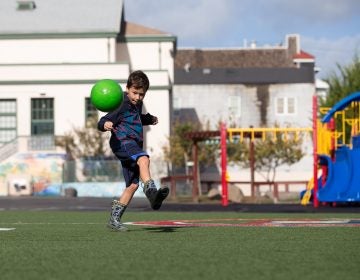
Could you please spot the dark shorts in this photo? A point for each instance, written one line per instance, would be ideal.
(128, 155)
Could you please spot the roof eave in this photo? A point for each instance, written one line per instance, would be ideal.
(148, 38)
(54, 35)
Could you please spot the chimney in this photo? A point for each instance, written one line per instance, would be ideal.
(293, 44)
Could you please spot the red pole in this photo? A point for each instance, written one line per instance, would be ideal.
(315, 155)
(332, 141)
(195, 190)
(224, 186)
(252, 167)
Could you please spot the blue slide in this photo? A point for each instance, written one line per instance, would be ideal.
(343, 179)
(353, 192)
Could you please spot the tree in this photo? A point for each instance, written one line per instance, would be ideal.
(84, 142)
(274, 152)
(88, 153)
(343, 83)
(238, 153)
(179, 149)
(270, 153)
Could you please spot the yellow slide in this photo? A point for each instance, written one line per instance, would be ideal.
(307, 195)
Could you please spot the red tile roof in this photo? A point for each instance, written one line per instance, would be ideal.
(303, 55)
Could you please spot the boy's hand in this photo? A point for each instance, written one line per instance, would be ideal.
(108, 126)
(154, 120)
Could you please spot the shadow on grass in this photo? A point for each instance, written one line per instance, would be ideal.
(162, 229)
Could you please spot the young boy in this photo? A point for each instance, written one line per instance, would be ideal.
(126, 126)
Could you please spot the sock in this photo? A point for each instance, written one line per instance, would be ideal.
(149, 184)
(123, 208)
(117, 210)
(149, 189)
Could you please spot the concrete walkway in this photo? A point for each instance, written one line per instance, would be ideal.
(141, 204)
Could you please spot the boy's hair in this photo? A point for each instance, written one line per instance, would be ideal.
(138, 79)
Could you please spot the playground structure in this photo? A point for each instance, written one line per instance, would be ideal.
(235, 134)
(336, 153)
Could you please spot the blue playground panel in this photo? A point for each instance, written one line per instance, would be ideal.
(343, 179)
(341, 105)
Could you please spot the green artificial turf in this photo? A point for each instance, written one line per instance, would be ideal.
(77, 245)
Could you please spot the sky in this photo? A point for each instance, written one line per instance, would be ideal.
(328, 29)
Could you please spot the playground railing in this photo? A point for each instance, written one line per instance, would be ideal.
(336, 133)
(264, 132)
(175, 179)
(277, 186)
(255, 187)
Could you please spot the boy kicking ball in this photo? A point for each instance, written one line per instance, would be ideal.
(126, 126)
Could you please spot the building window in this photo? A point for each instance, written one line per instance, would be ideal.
(91, 113)
(176, 102)
(285, 106)
(42, 116)
(234, 109)
(26, 5)
(8, 120)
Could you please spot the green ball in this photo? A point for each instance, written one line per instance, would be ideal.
(106, 95)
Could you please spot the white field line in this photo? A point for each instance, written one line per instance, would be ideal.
(47, 223)
(312, 222)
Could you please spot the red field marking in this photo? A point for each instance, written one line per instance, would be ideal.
(250, 223)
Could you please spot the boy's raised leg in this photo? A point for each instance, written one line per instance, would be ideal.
(155, 196)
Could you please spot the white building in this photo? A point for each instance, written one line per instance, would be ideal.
(51, 54)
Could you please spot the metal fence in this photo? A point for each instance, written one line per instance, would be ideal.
(27, 144)
(41, 143)
(92, 171)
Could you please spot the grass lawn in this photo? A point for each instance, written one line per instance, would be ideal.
(77, 245)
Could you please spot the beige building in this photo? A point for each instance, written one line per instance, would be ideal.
(257, 86)
(248, 87)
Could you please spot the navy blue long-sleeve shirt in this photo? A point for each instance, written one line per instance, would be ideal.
(127, 122)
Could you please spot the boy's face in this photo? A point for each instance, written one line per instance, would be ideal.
(136, 95)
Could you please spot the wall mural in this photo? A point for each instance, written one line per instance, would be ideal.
(28, 173)
(41, 174)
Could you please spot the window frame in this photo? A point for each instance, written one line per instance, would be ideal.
(90, 111)
(234, 111)
(44, 121)
(9, 114)
(285, 105)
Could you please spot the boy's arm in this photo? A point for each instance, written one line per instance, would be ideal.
(109, 117)
(147, 119)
